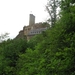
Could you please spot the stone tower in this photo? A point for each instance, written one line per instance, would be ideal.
(31, 19)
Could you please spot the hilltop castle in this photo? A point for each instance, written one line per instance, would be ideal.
(32, 29)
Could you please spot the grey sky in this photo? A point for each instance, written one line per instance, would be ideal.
(14, 14)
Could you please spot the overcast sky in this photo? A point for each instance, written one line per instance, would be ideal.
(14, 14)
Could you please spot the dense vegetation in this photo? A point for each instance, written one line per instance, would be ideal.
(49, 53)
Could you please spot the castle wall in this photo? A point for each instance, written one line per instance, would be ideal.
(33, 28)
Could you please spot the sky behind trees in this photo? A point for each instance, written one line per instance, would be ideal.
(14, 14)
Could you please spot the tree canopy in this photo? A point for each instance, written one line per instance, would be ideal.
(49, 53)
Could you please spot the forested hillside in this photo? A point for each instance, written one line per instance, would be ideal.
(49, 53)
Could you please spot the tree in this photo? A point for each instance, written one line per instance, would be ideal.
(3, 37)
(9, 54)
(52, 10)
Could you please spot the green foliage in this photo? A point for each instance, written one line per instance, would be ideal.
(50, 53)
(3, 37)
(10, 51)
(52, 7)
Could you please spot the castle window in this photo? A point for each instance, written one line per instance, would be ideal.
(29, 28)
(39, 31)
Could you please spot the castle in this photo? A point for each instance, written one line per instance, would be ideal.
(32, 29)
